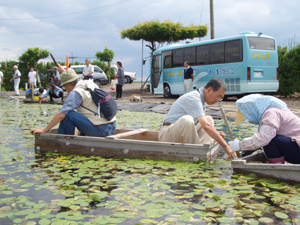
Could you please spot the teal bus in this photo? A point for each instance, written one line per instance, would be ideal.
(248, 63)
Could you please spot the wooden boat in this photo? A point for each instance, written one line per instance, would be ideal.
(140, 143)
(257, 163)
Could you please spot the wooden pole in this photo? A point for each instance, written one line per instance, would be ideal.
(229, 130)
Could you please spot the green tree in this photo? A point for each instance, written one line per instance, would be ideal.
(106, 56)
(289, 69)
(7, 70)
(30, 58)
(160, 32)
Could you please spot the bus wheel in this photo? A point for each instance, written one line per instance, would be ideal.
(167, 91)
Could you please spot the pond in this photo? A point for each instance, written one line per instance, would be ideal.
(73, 189)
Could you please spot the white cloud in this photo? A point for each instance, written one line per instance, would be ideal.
(83, 34)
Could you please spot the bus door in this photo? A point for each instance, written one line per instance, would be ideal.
(156, 75)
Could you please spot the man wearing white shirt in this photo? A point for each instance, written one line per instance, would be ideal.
(1, 79)
(32, 79)
(88, 70)
(16, 79)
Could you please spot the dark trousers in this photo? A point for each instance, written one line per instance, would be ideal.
(61, 95)
(283, 146)
(88, 77)
(119, 90)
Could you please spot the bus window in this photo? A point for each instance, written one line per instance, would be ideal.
(233, 51)
(190, 55)
(217, 53)
(261, 43)
(177, 57)
(202, 55)
(167, 59)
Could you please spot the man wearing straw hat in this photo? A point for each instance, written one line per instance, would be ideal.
(186, 121)
(83, 118)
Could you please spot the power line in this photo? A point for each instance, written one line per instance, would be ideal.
(67, 14)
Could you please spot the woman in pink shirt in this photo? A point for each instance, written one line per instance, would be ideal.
(279, 129)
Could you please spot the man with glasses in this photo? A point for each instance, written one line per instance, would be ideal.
(186, 121)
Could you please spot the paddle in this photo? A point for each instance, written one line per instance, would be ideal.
(229, 130)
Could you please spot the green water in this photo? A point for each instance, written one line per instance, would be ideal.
(64, 189)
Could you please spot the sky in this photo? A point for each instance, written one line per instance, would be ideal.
(81, 28)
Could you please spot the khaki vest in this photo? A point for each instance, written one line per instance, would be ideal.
(88, 102)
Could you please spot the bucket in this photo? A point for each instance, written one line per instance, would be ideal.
(36, 98)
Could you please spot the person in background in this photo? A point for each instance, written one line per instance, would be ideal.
(53, 92)
(32, 79)
(51, 74)
(188, 77)
(83, 119)
(121, 81)
(42, 93)
(186, 121)
(279, 129)
(37, 91)
(16, 79)
(88, 70)
(1, 79)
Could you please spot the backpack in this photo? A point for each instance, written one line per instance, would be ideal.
(107, 107)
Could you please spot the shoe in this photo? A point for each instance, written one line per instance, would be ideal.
(16, 95)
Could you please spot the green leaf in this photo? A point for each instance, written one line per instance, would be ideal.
(281, 215)
(44, 222)
(266, 220)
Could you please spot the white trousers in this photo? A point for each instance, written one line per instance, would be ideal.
(185, 131)
(16, 86)
(187, 85)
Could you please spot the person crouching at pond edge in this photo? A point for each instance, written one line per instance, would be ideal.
(186, 121)
(279, 129)
(54, 92)
(80, 99)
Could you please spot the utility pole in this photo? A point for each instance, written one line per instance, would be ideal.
(212, 26)
(142, 65)
(72, 57)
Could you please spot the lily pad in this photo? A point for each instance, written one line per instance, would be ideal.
(266, 220)
(281, 215)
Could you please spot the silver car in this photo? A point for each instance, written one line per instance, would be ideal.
(99, 75)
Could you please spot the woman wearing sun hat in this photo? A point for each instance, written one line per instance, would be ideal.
(279, 129)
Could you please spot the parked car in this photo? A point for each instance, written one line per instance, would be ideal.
(99, 75)
(129, 76)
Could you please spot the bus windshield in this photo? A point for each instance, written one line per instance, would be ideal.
(261, 43)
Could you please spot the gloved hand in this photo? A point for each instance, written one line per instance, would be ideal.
(234, 145)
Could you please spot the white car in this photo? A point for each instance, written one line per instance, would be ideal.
(129, 76)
